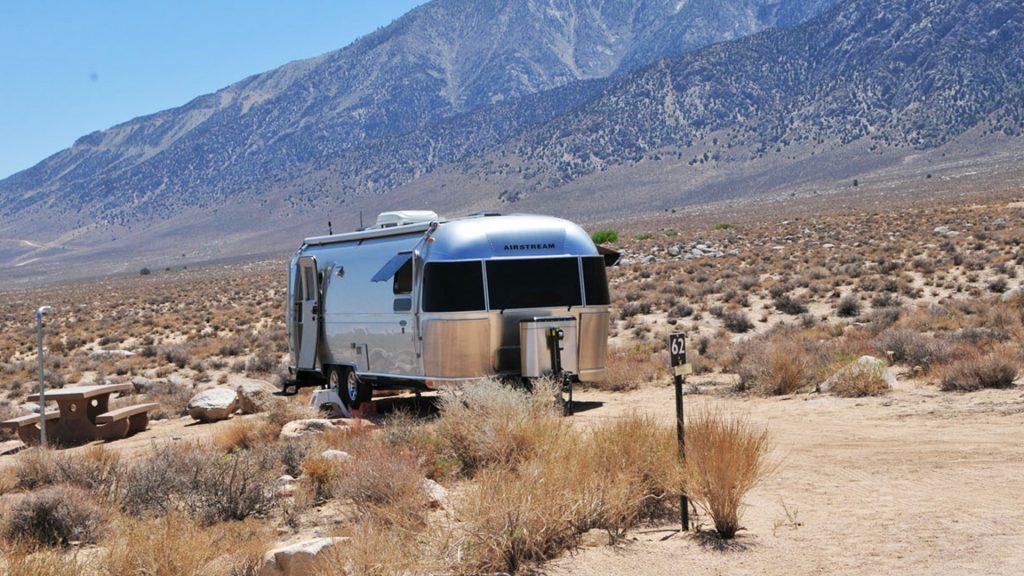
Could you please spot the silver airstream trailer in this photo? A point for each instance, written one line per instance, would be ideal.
(417, 300)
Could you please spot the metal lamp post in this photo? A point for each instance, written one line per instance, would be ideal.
(42, 380)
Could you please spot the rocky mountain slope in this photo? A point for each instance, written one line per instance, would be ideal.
(403, 91)
(892, 78)
(585, 109)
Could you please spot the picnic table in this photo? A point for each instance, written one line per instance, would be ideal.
(83, 416)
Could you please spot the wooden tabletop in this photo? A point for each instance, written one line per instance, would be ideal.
(81, 392)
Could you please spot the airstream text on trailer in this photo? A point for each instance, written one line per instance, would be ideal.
(416, 300)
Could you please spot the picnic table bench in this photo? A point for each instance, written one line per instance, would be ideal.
(83, 416)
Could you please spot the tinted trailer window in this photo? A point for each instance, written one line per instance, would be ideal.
(453, 286)
(595, 281)
(533, 283)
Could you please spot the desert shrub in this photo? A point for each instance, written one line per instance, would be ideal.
(263, 362)
(629, 368)
(176, 355)
(790, 305)
(36, 467)
(485, 422)
(905, 346)
(994, 370)
(55, 516)
(96, 468)
(726, 456)
(681, 310)
(737, 321)
(849, 306)
(775, 367)
(630, 309)
(208, 485)
(605, 236)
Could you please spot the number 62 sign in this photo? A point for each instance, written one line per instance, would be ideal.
(677, 353)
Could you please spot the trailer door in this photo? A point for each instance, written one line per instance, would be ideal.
(307, 313)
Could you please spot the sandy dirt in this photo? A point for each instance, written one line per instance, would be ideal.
(915, 482)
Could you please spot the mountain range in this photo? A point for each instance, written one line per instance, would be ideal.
(583, 108)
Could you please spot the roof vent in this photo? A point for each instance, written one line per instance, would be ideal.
(403, 217)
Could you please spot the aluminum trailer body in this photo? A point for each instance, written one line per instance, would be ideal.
(417, 301)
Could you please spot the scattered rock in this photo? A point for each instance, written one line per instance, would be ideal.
(285, 486)
(213, 404)
(11, 447)
(437, 494)
(28, 408)
(308, 427)
(864, 364)
(1012, 293)
(95, 354)
(144, 385)
(255, 396)
(297, 559)
(336, 454)
(594, 538)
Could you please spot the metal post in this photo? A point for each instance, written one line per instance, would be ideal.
(42, 374)
(684, 508)
(677, 356)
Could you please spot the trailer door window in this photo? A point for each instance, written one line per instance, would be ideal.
(453, 287)
(595, 281)
(533, 283)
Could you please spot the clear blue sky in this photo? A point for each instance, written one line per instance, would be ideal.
(69, 68)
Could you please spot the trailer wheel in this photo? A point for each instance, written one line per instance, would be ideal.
(355, 390)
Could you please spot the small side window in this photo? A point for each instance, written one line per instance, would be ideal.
(403, 279)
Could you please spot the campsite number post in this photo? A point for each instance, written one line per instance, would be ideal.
(677, 353)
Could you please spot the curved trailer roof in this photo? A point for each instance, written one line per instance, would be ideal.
(484, 237)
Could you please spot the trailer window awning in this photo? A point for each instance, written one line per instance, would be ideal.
(611, 257)
(393, 265)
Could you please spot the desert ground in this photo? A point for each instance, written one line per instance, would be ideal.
(912, 466)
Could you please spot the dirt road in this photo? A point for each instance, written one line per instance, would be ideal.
(916, 482)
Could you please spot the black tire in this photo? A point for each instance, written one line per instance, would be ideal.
(355, 390)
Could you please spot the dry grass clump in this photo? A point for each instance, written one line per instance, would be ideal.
(611, 480)
(246, 435)
(22, 558)
(383, 482)
(726, 456)
(857, 379)
(997, 369)
(55, 516)
(174, 545)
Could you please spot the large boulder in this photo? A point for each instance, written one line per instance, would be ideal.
(255, 395)
(298, 559)
(213, 404)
